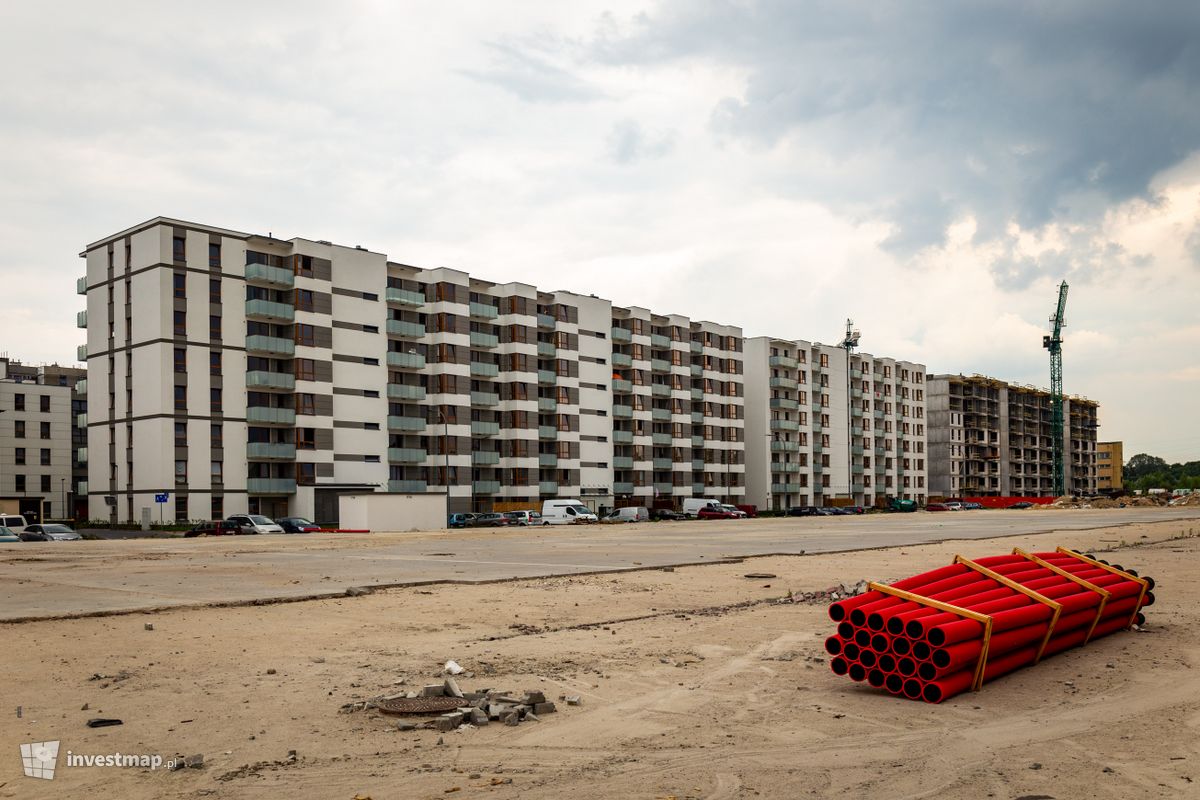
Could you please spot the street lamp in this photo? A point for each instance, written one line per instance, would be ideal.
(848, 344)
(63, 485)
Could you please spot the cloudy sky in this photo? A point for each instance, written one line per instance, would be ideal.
(932, 170)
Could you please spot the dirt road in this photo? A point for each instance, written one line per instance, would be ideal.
(696, 682)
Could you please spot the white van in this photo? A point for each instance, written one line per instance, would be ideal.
(566, 512)
(629, 514)
(14, 522)
(691, 505)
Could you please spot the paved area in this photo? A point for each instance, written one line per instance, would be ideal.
(43, 580)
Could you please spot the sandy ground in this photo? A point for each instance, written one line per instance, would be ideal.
(696, 683)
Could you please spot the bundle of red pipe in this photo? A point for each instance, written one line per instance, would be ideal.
(902, 643)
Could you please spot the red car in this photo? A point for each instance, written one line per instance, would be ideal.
(708, 512)
(937, 507)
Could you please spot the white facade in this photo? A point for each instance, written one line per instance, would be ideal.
(36, 454)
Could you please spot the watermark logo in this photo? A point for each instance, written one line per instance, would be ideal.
(39, 759)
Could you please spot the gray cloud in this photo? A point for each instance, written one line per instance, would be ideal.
(532, 77)
(629, 142)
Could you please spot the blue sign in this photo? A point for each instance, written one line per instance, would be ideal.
(161, 498)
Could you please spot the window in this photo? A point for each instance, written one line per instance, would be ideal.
(180, 323)
(181, 398)
(217, 433)
(18, 402)
(218, 507)
(306, 439)
(45, 430)
(19, 455)
(305, 335)
(20, 483)
(214, 327)
(179, 286)
(305, 403)
(214, 290)
(45, 483)
(45, 403)
(214, 400)
(181, 434)
(179, 248)
(180, 359)
(304, 300)
(19, 429)
(181, 471)
(306, 369)
(214, 362)
(214, 255)
(303, 266)
(306, 474)
(45, 456)
(218, 471)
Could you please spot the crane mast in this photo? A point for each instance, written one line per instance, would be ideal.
(1053, 343)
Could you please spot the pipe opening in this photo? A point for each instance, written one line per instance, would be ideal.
(932, 693)
(926, 671)
(850, 651)
(857, 672)
(875, 621)
(893, 683)
(867, 658)
(880, 643)
(921, 650)
(912, 689)
(833, 645)
(838, 665)
(901, 646)
(845, 630)
(862, 637)
(875, 678)
(906, 666)
(941, 658)
(936, 637)
(887, 663)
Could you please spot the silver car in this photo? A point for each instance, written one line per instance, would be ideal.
(255, 523)
(48, 533)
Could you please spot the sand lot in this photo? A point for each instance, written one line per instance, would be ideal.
(696, 683)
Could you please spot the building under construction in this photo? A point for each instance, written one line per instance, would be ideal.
(991, 438)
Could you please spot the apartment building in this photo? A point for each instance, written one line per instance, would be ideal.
(991, 438)
(237, 372)
(1110, 464)
(42, 428)
(827, 427)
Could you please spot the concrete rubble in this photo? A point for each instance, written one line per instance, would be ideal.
(478, 708)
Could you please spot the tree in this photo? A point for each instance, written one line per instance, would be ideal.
(1142, 465)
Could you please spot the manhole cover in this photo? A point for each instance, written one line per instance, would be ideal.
(420, 705)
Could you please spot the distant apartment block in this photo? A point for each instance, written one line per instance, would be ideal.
(43, 452)
(1110, 461)
(991, 438)
(827, 428)
(240, 372)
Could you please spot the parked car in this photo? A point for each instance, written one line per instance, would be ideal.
(749, 510)
(489, 521)
(628, 514)
(713, 512)
(8, 535)
(523, 517)
(255, 523)
(48, 533)
(566, 512)
(298, 525)
(463, 520)
(665, 514)
(804, 511)
(836, 511)
(1022, 504)
(217, 527)
(734, 511)
(692, 505)
(937, 507)
(854, 509)
(14, 522)
(953, 505)
(972, 506)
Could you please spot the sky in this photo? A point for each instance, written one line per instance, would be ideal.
(931, 170)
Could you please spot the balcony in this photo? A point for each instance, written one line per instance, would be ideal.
(81, 455)
(269, 310)
(484, 341)
(622, 462)
(784, 466)
(622, 336)
(660, 390)
(406, 455)
(405, 360)
(660, 414)
(547, 377)
(663, 464)
(82, 489)
(404, 297)
(261, 379)
(481, 428)
(547, 432)
(660, 342)
(784, 447)
(783, 383)
(818, 468)
(622, 487)
(482, 369)
(699, 490)
(546, 350)
(697, 417)
(403, 329)
(697, 441)
(270, 451)
(697, 394)
(696, 347)
(547, 487)
(270, 345)
(270, 486)
(270, 415)
(406, 424)
(486, 399)
(697, 465)
(785, 403)
(817, 447)
(856, 469)
(81, 420)
(404, 391)
(664, 487)
(407, 487)
(622, 412)
(622, 360)
(485, 458)
(547, 405)
(81, 285)
(695, 370)
(485, 487)
(620, 386)
(661, 439)
(622, 437)
(855, 411)
(545, 322)
(856, 450)
(660, 365)
(274, 276)
(483, 311)
(785, 425)
(81, 353)
(785, 488)
(547, 460)
(81, 319)
(786, 362)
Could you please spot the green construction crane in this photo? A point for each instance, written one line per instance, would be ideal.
(1053, 343)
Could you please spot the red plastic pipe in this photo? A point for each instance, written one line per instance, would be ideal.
(839, 610)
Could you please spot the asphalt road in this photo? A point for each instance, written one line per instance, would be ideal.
(43, 580)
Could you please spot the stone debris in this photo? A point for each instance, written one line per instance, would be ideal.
(832, 594)
(479, 707)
